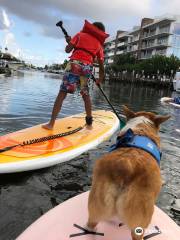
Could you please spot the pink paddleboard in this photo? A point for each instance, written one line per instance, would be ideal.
(67, 222)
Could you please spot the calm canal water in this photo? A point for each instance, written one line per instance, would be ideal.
(26, 100)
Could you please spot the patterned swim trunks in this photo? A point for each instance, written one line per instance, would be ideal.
(76, 76)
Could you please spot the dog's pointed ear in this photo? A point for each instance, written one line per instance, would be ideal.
(128, 113)
(160, 119)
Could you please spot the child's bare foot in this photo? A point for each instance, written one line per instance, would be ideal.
(47, 126)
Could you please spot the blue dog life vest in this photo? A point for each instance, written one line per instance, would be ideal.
(129, 139)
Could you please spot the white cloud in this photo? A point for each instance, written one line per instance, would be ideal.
(24, 54)
(105, 10)
(172, 7)
(114, 13)
(4, 20)
(10, 42)
(47, 12)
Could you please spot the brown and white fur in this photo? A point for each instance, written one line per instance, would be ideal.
(126, 182)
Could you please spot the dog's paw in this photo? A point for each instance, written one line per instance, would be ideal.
(89, 228)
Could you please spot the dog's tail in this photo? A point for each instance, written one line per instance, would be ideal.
(113, 167)
(120, 166)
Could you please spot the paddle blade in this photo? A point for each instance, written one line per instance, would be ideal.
(122, 124)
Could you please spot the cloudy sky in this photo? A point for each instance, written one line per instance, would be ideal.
(27, 27)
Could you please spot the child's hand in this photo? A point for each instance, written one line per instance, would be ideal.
(98, 82)
(68, 39)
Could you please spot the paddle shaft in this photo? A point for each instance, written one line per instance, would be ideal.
(103, 93)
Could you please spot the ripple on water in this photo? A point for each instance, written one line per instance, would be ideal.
(28, 100)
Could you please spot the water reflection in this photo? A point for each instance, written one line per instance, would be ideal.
(27, 99)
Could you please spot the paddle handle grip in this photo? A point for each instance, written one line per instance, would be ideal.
(60, 24)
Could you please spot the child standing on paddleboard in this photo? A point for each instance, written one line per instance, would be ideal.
(87, 46)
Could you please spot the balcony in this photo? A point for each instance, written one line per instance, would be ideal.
(120, 44)
(164, 43)
(110, 61)
(134, 48)
(134, 39)
(120, 52)
(149, 35)
(161, 52)
(163, 31)
(146, 56)
(144, 46)
(112, 46)
(155, 45)
(110, 54)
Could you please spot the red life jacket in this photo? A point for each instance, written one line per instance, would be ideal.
(88, 44)
(95, 32)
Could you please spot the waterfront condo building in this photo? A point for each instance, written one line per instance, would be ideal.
(154, 36)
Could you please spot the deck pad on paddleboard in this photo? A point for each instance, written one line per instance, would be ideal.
(50, 152)
(68, 220)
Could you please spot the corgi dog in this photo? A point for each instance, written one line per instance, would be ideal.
(127, 181)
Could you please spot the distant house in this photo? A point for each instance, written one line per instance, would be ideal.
(8, 57)
(9, 61)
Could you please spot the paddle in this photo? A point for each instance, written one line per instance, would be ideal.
(42, 139)
(122, 122)
(60, 24)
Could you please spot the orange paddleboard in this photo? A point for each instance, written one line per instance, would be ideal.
(51, 152)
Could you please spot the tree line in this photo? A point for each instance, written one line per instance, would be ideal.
(156, 65)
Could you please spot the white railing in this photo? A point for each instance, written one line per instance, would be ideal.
(148, 45)
(135, 39)
(149, 35)
(112, 46)
(121, 44)
(110, 54)
(146, 56)
(164, 30)
(110, 60)
(119, 52)
(162, 43)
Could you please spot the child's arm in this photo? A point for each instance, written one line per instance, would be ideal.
(101, 71)
(71, 43)
(100, 58)
(69, 48)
